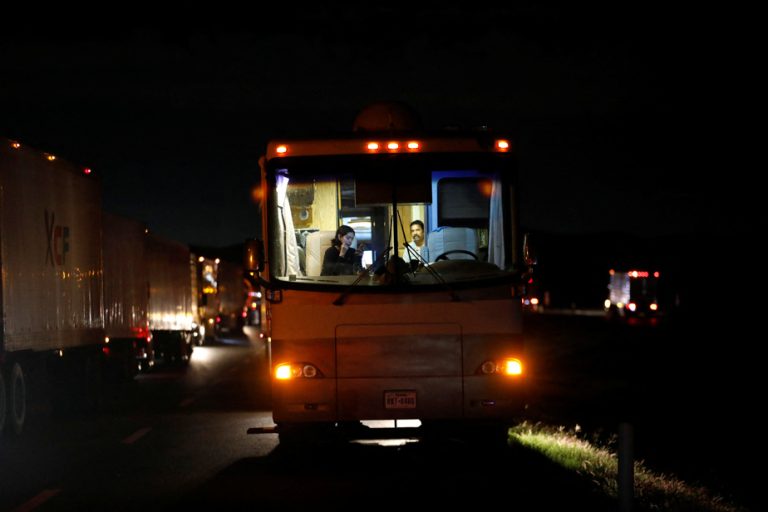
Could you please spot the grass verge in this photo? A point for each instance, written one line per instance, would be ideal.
(599, 464)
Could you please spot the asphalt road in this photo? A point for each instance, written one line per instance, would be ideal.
(176, 438)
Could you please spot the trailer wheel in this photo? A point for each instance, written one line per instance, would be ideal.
(18, 402)
(3, 403)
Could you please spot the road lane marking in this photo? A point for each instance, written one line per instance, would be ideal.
(37, 500)
(136, 435)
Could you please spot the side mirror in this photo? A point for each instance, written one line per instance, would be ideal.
(529, 258)
(254, 255)
(529, 251)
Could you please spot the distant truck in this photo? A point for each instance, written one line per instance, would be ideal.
(150, 294)
(173, 315)
(222, 297)
(52, 335)
(232, 296)
(632, 295)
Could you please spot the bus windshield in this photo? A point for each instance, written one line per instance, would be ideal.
(420, 221)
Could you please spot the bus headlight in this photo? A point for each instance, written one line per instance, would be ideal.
(510, 366)
(286, 371)
(488, 367)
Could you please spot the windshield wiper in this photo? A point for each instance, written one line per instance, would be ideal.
(343, 295)
(397, 276)
(434, 273)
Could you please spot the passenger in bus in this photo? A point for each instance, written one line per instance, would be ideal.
(340, 258)
(416, 251)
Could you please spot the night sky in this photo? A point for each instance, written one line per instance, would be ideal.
(607, 107)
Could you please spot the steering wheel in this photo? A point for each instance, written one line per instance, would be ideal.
(444, 256)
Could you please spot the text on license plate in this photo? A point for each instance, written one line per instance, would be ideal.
(399, 399)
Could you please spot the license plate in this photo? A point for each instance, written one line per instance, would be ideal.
(399, 399)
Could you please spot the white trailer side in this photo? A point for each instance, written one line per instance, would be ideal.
(50, 256)
(126, 291)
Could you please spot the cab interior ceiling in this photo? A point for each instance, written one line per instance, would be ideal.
(394, 167)
(407, 182)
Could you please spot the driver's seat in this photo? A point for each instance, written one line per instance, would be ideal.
(447, 238)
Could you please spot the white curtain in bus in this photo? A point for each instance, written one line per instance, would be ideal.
(496, 227)
(286, 232)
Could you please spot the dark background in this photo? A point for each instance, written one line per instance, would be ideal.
(636, 128)
(622, 116)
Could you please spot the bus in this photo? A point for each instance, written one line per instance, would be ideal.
(429, 347)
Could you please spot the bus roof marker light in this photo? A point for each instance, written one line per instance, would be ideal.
(393, 146)
(372, 146)
(502, 145)
(413, 145)
(281, 149)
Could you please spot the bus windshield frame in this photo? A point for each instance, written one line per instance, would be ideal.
(466, 200)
